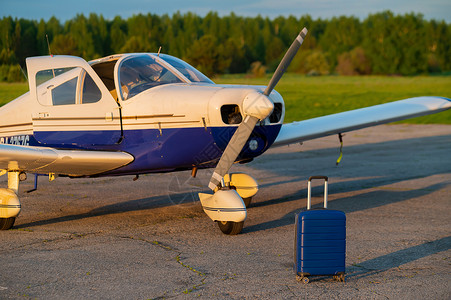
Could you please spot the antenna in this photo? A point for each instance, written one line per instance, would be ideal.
(23, 72)
(158, 54)
(48, 45)
(50, 52)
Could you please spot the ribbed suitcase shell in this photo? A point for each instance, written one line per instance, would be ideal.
(320, 242)
(320, 245)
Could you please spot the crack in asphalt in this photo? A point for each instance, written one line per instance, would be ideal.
(290, 290)
(68, 236)
(178, 260)
(379, 294)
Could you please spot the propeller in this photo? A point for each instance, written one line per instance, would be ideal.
(256, 106)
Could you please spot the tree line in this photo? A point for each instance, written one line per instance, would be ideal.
(383, 43)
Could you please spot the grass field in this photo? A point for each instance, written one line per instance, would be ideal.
(307, 97)
(10, 91)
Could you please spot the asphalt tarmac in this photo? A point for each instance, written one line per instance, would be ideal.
(115, 238)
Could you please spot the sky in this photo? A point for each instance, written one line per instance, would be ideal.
(325, 9)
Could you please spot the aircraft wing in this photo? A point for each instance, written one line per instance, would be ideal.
(360, 118)
(65, 162)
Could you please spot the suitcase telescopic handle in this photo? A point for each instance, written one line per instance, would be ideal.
(309, 190)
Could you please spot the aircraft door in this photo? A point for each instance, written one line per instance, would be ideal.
(70, 104)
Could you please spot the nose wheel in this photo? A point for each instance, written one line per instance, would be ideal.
(230, 228)
(247, 201)
(6, 223)
(9, 202)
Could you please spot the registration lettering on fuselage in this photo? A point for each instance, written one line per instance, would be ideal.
(21, 140)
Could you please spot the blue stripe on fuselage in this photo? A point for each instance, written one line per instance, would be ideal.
(177, 148)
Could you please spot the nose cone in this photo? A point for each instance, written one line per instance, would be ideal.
(257, 105)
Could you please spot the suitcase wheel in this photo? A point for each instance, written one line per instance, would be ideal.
(340, 277)
(302, 279)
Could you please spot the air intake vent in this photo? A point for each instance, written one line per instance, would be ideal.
(276, 113)
(230, 114)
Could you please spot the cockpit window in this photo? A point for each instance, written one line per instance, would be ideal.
(139, 73)
(187, 70)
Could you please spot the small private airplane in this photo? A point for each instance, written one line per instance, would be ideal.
(131, 114)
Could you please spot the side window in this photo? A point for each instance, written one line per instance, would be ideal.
(66, 86)
(91, 92)
(57, 86)
(65, 93)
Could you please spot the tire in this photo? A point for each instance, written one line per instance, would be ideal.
(247, 201)
(231, 228)
(6, 223)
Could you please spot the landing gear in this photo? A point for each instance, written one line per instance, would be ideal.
(245, 185)
(227, 206)
(6, 223)
(230, 228)
(9, 202)
(247, 201)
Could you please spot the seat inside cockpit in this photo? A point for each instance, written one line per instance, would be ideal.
(105, 70)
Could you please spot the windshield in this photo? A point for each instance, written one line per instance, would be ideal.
(141, 72)
(187, 70)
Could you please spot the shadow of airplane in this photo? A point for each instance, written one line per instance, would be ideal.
(416, 166)
(183, 194)
(414, 150)
(117, 208)
(348, 204)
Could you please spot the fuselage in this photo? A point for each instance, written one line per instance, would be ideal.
(156, 108)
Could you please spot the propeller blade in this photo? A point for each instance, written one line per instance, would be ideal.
(256, 106)
(232, 150)
(285, 62)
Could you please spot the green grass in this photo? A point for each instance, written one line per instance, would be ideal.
(308, 97)
(10, 91)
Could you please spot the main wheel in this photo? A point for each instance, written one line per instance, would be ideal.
(6, 223)
(247, 201)
(230, 228)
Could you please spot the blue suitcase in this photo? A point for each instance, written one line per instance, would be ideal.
(320, 242)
